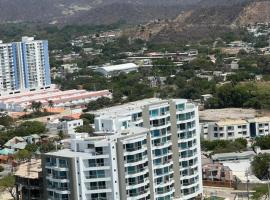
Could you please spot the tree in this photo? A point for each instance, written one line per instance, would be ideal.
(89, 117)
(260, 165)
(30, 128)
(32, 148)
(36, 106)
(47, 147)
(8, 184)
(23, 155)
(6, 120)
(263, 142)
(86, 128)
(61, 135)
(50, 104)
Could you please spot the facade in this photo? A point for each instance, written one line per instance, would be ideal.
(217, 172)
(231, 129)
(24, 66)
(148, 149)
(21, 101)
(114, 70)
(28, 181)
(68, 126)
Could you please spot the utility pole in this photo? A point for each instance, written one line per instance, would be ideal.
(247, 173)
(268, 182)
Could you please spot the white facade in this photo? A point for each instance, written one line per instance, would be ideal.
(152, 149)
(113, 70)
(175, 142)
(24, 66)
(229, 129)
(67, 126)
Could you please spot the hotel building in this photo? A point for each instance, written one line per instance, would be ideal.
(149, 149)
(24, 66)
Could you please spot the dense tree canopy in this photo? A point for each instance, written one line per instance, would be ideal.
(260, 166)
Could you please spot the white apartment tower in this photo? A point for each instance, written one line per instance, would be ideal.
(24, 66)
(153, 151)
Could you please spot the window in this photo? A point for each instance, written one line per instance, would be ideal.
(153, 113)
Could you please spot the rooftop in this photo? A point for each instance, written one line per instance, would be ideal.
(55, 95)
(30, 169)
(233, 155)
(260, 119)
(227, 113)
(111, 68)
(126, 108)
(131, 107)
(231, 122)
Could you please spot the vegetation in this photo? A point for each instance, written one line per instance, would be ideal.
(247, 95)
(6, 120)
(224, 146)
(24, 129)
(1, 168)
(261, 192)
(8, 184)
(88, 118)
(23, 155)
(86, 128)
(263, 142)
(260, 166)
(32, 148)
(47, 147)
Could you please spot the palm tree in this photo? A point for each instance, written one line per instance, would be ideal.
(39, 106)
(33, 106)
(50, 104)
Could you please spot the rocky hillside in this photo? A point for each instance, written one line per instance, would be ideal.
(256, 12)
(89, 11)
(208, 19)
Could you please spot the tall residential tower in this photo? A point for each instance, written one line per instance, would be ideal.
(24, 66)
(148, 149)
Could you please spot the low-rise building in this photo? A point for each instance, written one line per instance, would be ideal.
(28, 181)
(21, 101)
(114, 70)
(217, 172)
(245, 155)
(228, 129)
(231, 129)
(67, 126)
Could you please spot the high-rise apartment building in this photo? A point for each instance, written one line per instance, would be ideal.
(148, 149)
(24, 66)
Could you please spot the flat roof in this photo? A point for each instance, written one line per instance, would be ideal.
(136, 106)
(228, 122)
(259, 119)
(55, 95)
(125, 66)
(215, 115)
(126, 108)
(30, 169)
(233, 155)
(239, 169)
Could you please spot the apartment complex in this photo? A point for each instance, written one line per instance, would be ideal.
(148, 149)
(24, 66)
(230, 129)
